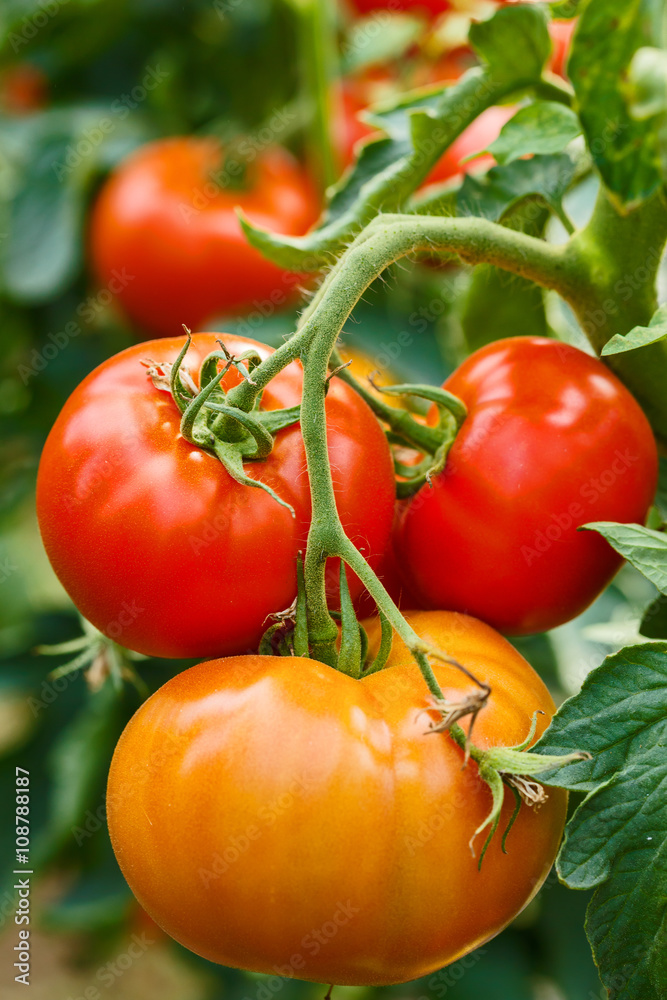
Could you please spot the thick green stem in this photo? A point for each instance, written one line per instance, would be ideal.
(387, 239)
(616, 259)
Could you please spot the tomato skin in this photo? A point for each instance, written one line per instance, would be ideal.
(258, 802)
(429, 8)
(484, 130)
(561, 37)
(153, 540)
(169, 229)
(552, 441)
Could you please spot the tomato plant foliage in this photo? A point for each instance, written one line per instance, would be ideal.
(616, 841)
(602, 132)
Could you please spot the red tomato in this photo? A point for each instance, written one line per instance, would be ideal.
(23, 88)
(153, 540)
(166, 223)
(552, 441)
(275, 815)
(429, 8)
(479, 135)
(561, 36)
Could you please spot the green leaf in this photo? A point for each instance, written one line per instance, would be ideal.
(79, 761)
(418, 127)
(644, 548)
(543, 127)
(647, 84)
(545, 178)
(378, 39)
(43, 249)
(640, 336)
(565, 10)
(513, 37)
(654, 622)
(661, 495)
(625, 151)
(616, 841)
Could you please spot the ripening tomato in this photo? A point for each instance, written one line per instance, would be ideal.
(24, 88)
(552, 441)
(154, 541)
(275, 815)
(166, 222)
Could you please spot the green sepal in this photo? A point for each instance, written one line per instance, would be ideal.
(386, 638)
(510, 761)
(266, 647)
(232, 460)
(276, 420)
(209, 365)
(349, 655)
(423, 473)
(300, 639)
(261, 438)
(513, 817)
(434, 394)
(194, 409)
(495, 783)
(178, 389)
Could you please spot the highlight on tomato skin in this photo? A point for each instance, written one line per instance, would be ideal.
(496, 535)
(274, 814)
(155, 542)
(166, 219)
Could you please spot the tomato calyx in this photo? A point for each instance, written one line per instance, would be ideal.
(404, 431)
(100, 659)
(208, 421)
(512, 767)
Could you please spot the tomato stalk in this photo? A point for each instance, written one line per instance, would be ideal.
(616, 259)
(318, 56)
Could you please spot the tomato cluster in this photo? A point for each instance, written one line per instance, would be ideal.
(271, 812)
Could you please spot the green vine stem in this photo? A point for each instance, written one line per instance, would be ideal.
(318, 57)
(616, 260)
(595, 271)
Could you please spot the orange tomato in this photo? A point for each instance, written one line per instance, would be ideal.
(275, 815)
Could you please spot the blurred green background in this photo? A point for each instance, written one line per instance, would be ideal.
(223, 67)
